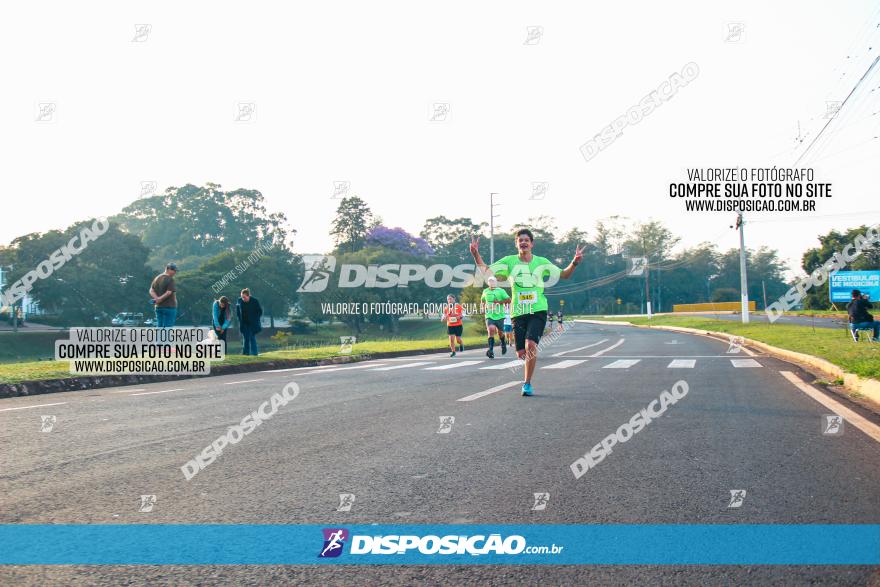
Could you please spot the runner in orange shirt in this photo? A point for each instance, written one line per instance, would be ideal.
(453, 314)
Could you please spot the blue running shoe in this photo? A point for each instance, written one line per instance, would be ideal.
(527, 389)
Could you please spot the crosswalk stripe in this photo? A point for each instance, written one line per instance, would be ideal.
(335, 369)
(745, 363)
(404, 366)
(565, 364)
(506, 365)
(453, 365)
(492, 390)
(580, 348)
(621, 364)
(682, 364)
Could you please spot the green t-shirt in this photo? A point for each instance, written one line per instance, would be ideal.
(527, 281)
(493, 299)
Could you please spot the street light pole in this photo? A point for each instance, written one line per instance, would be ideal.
(743, 279)
(492, 205)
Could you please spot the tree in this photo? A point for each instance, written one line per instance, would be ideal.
(191, 224)
(450, 237)
(398, 239)
(272, 275)
(109, 275)
(351, 224)
(833, 242)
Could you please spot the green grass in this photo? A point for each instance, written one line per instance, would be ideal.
(38, 370)
(832, 344)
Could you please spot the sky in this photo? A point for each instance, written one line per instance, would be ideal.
(346, 91)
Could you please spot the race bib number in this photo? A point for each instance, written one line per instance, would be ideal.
(527, 297)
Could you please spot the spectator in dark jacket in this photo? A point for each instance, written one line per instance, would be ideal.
(860, 318)
(249, 314)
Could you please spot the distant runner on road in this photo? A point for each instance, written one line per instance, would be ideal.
(495, 300)
(453, 314)
(559, 320)
(526, 271)
(508, 326)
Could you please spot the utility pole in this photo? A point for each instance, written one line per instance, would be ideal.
(743, 280)
(764, 288)
(647, 273)
(492, 217)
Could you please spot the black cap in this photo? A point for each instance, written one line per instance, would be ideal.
(171, 266)
(856, 293)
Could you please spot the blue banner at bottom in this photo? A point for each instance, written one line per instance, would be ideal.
(181, 544)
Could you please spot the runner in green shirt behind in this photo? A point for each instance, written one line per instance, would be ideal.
(526, 272)
(494, 300)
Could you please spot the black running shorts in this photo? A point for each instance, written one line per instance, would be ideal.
(529, 326)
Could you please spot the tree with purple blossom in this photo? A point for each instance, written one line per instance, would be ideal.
(399, 240)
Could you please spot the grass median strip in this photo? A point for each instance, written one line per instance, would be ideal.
(43, 370)
(832, 344)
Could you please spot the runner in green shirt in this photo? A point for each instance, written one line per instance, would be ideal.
(494, 301)
(527, 273)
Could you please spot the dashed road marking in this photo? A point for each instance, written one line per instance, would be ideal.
(245, 381)
(580, 348)
(489, 391)
(29, 407)
(155, 392)
(611, 348)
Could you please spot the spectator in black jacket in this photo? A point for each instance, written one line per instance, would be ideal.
(249, 314)
(860, 318)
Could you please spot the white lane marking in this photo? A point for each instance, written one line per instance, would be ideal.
(406, 366)
(835, 406)
(564, 364)
(580, 348)
(611, 348)
(129, 390)
(29, 407)
(682, 364)
(154, 392)
(489, 391)
(245, 381)
(661, 356)
(745, 363)
(506, 365)
(370, 366)
(453, 365)
(621, 364)
(298, 369)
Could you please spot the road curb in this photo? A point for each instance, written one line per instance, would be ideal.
(43, 386)
(870, 388)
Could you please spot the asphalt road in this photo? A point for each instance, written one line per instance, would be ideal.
(371, 429)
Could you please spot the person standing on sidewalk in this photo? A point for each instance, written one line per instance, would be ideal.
(163, 290)
(249, 314)
(221, 316)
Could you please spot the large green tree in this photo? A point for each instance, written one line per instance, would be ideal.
(109, 275)
(191, 224)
